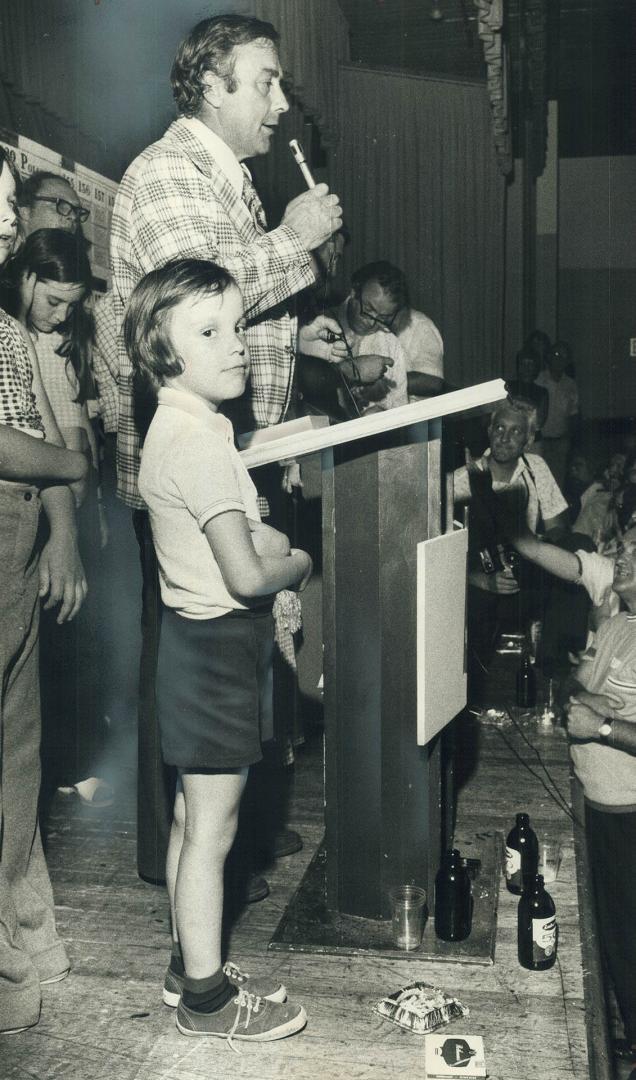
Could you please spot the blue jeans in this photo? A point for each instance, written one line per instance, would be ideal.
(30, 949)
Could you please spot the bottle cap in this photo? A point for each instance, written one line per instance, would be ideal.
(523, 819)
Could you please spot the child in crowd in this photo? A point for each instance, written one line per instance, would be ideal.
(219, 569)
(51, 281)
(34, 471)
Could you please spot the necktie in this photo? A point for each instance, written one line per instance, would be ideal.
(254, 204)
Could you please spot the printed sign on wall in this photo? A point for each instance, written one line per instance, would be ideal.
(96, 193)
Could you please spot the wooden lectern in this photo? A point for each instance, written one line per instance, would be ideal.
(381, 497)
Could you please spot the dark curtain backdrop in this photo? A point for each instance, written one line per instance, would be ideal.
(417, 174)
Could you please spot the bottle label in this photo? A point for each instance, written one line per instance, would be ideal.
(513, 867)
(544, 936)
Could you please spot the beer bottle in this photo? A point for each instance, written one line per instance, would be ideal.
(526, 683)
(453, 899)
(537, 931)
(522, 855)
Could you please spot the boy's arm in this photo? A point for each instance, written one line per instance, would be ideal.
(245, 573)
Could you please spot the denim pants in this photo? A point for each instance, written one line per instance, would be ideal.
(30, 949)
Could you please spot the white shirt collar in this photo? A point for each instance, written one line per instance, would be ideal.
(225, 158)
(194, 406)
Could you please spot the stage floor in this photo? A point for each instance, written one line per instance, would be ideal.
(107, 1021)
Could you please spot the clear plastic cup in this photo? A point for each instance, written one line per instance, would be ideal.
(549, 858)
(408, 903)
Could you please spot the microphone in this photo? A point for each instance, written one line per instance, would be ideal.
(299, 158)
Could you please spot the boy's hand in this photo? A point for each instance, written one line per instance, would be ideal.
(62, 578)
(305, 560)
(268, 542)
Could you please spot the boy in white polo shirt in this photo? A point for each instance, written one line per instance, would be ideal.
(219, 570)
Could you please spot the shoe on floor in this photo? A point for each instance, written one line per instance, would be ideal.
(257, 889)
(286, 842)
(268, 988)
(245, 1017)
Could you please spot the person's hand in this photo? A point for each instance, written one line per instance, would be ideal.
(372, 367)
(268, 542)
(313, 216)
(307, 566)
(323, 338)
(62, 578)
(503, 583)
(291, 478)
(602, 705)
(375, 392)
(27, 289)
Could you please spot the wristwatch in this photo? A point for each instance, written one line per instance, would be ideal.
(605, 731)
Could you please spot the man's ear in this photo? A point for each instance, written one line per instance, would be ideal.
(213, 85)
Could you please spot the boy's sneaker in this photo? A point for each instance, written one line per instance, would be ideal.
(245, 1017)
(267, 988)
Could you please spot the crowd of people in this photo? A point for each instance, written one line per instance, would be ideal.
(214, 325)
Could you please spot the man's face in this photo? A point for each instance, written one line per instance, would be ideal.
(372, 308)
(247, 119)
(508, 434)
(625, 566)
(56, 206)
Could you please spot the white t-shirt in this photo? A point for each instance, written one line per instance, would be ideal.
(533, 475)
(191, 472)
(379, 343)
(564, 403)
(422, 346)
(608, 667)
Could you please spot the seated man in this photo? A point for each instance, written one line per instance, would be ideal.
(360, 355)
(494, 590)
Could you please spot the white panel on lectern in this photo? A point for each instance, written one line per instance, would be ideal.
(441, 620)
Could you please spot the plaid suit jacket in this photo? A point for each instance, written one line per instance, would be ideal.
(174, 202)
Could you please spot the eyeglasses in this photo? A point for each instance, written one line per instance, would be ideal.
(385, 321)
(64, 208)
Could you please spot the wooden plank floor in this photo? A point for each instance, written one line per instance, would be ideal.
(107, 1021)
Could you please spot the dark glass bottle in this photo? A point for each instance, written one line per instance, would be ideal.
(526, 683)
(522, 855)
(453, 899)
(537, 931)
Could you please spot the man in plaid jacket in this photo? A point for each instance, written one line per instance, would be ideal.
(190, 195)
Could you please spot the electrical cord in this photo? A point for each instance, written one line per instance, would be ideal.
(563, 806)
(535, 751)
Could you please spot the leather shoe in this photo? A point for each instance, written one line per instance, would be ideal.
(286, 842)
(257, 889)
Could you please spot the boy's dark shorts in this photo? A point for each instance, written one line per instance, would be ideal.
(214, 688)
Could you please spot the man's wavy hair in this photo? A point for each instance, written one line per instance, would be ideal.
(210, 47)
(146, 336)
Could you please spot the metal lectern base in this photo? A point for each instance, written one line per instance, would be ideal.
(307, 925)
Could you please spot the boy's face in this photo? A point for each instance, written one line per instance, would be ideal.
(208, 333)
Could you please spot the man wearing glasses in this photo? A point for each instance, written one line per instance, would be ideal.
(48, 201)
(367, 318)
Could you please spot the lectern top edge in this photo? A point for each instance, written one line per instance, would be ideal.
(310, 442)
